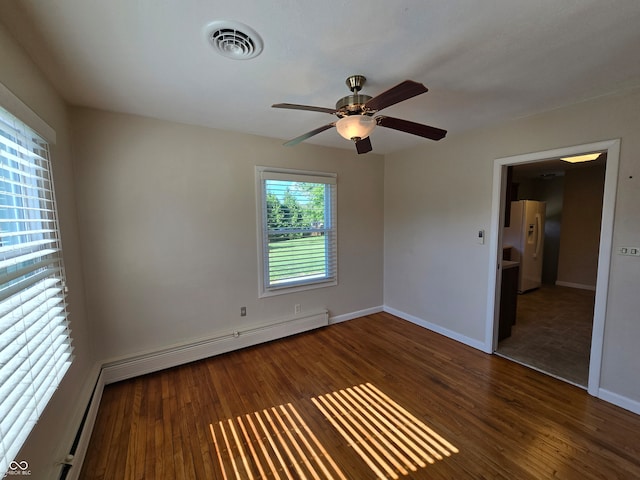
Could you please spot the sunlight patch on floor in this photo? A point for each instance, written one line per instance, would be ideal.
(277, 443)
(390, 440)
(274, 443)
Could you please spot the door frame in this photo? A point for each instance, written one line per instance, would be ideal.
(612, 148)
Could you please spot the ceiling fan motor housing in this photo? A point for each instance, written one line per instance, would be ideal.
(352, 104)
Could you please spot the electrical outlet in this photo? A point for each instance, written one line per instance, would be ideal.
(243, 311)
(297, 308)
(629, 251)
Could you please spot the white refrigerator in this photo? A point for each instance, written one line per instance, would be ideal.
(525, 236)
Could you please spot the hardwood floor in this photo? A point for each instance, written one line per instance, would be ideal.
(381, 381)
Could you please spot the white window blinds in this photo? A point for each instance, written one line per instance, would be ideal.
(298, 230)
(35, 342)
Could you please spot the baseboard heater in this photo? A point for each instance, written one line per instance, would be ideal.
(179, 354)
(208, 347)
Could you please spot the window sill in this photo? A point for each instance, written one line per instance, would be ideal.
(272, 292)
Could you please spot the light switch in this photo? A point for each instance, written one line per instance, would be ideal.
(480, 237)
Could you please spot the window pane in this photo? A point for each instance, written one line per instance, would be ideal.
(35, 345)
(298, 230)
(296, 259)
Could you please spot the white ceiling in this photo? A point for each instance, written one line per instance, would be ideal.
(483, 61)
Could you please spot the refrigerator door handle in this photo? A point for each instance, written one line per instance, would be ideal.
(538, 235)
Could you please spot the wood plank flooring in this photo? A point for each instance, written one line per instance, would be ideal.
(258, 413)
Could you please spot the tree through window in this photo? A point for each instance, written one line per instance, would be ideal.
(298, 229)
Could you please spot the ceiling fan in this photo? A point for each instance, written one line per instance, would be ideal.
(355, 114)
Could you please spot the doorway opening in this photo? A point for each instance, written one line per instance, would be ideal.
(550, 255)
(501, 263)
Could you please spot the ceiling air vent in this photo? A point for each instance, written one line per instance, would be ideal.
(234, 40)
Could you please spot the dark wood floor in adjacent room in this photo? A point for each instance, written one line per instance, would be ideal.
(345, 402)
(553, 332)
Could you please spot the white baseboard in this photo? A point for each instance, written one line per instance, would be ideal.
(87, 429)
(606, 395)
(477, 344)
(177, 355)
(153, 361)
(581, 286)
(353, 315)
(619, 400)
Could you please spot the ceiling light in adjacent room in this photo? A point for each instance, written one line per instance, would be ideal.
(581, 158)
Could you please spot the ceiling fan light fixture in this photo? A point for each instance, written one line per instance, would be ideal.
(355, 127)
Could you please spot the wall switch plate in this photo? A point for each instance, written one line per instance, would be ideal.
(243, 311)
(480, 239)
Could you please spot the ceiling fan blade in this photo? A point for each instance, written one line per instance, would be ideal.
(364, 145)
(310, 134)
(399, 93)
(413, 128)
(293, 106)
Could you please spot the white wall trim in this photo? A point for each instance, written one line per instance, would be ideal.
(148, 362)
(612, 147)
(477, 344)
(604, 263)
(152, 361)
(619, 400)
(581, 286)
(10, 102)
(353, 315)
(87, 428)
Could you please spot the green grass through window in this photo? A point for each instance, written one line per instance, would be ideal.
(300, 257)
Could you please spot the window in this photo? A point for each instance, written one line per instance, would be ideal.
(35, 343)
(297, 229)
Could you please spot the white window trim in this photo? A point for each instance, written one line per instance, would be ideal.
(276, 173)
(10, 102)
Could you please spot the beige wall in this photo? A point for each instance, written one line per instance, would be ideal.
(438, 196)
(580, 232)
(53, 436)
(168, 225)
(166, 214)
